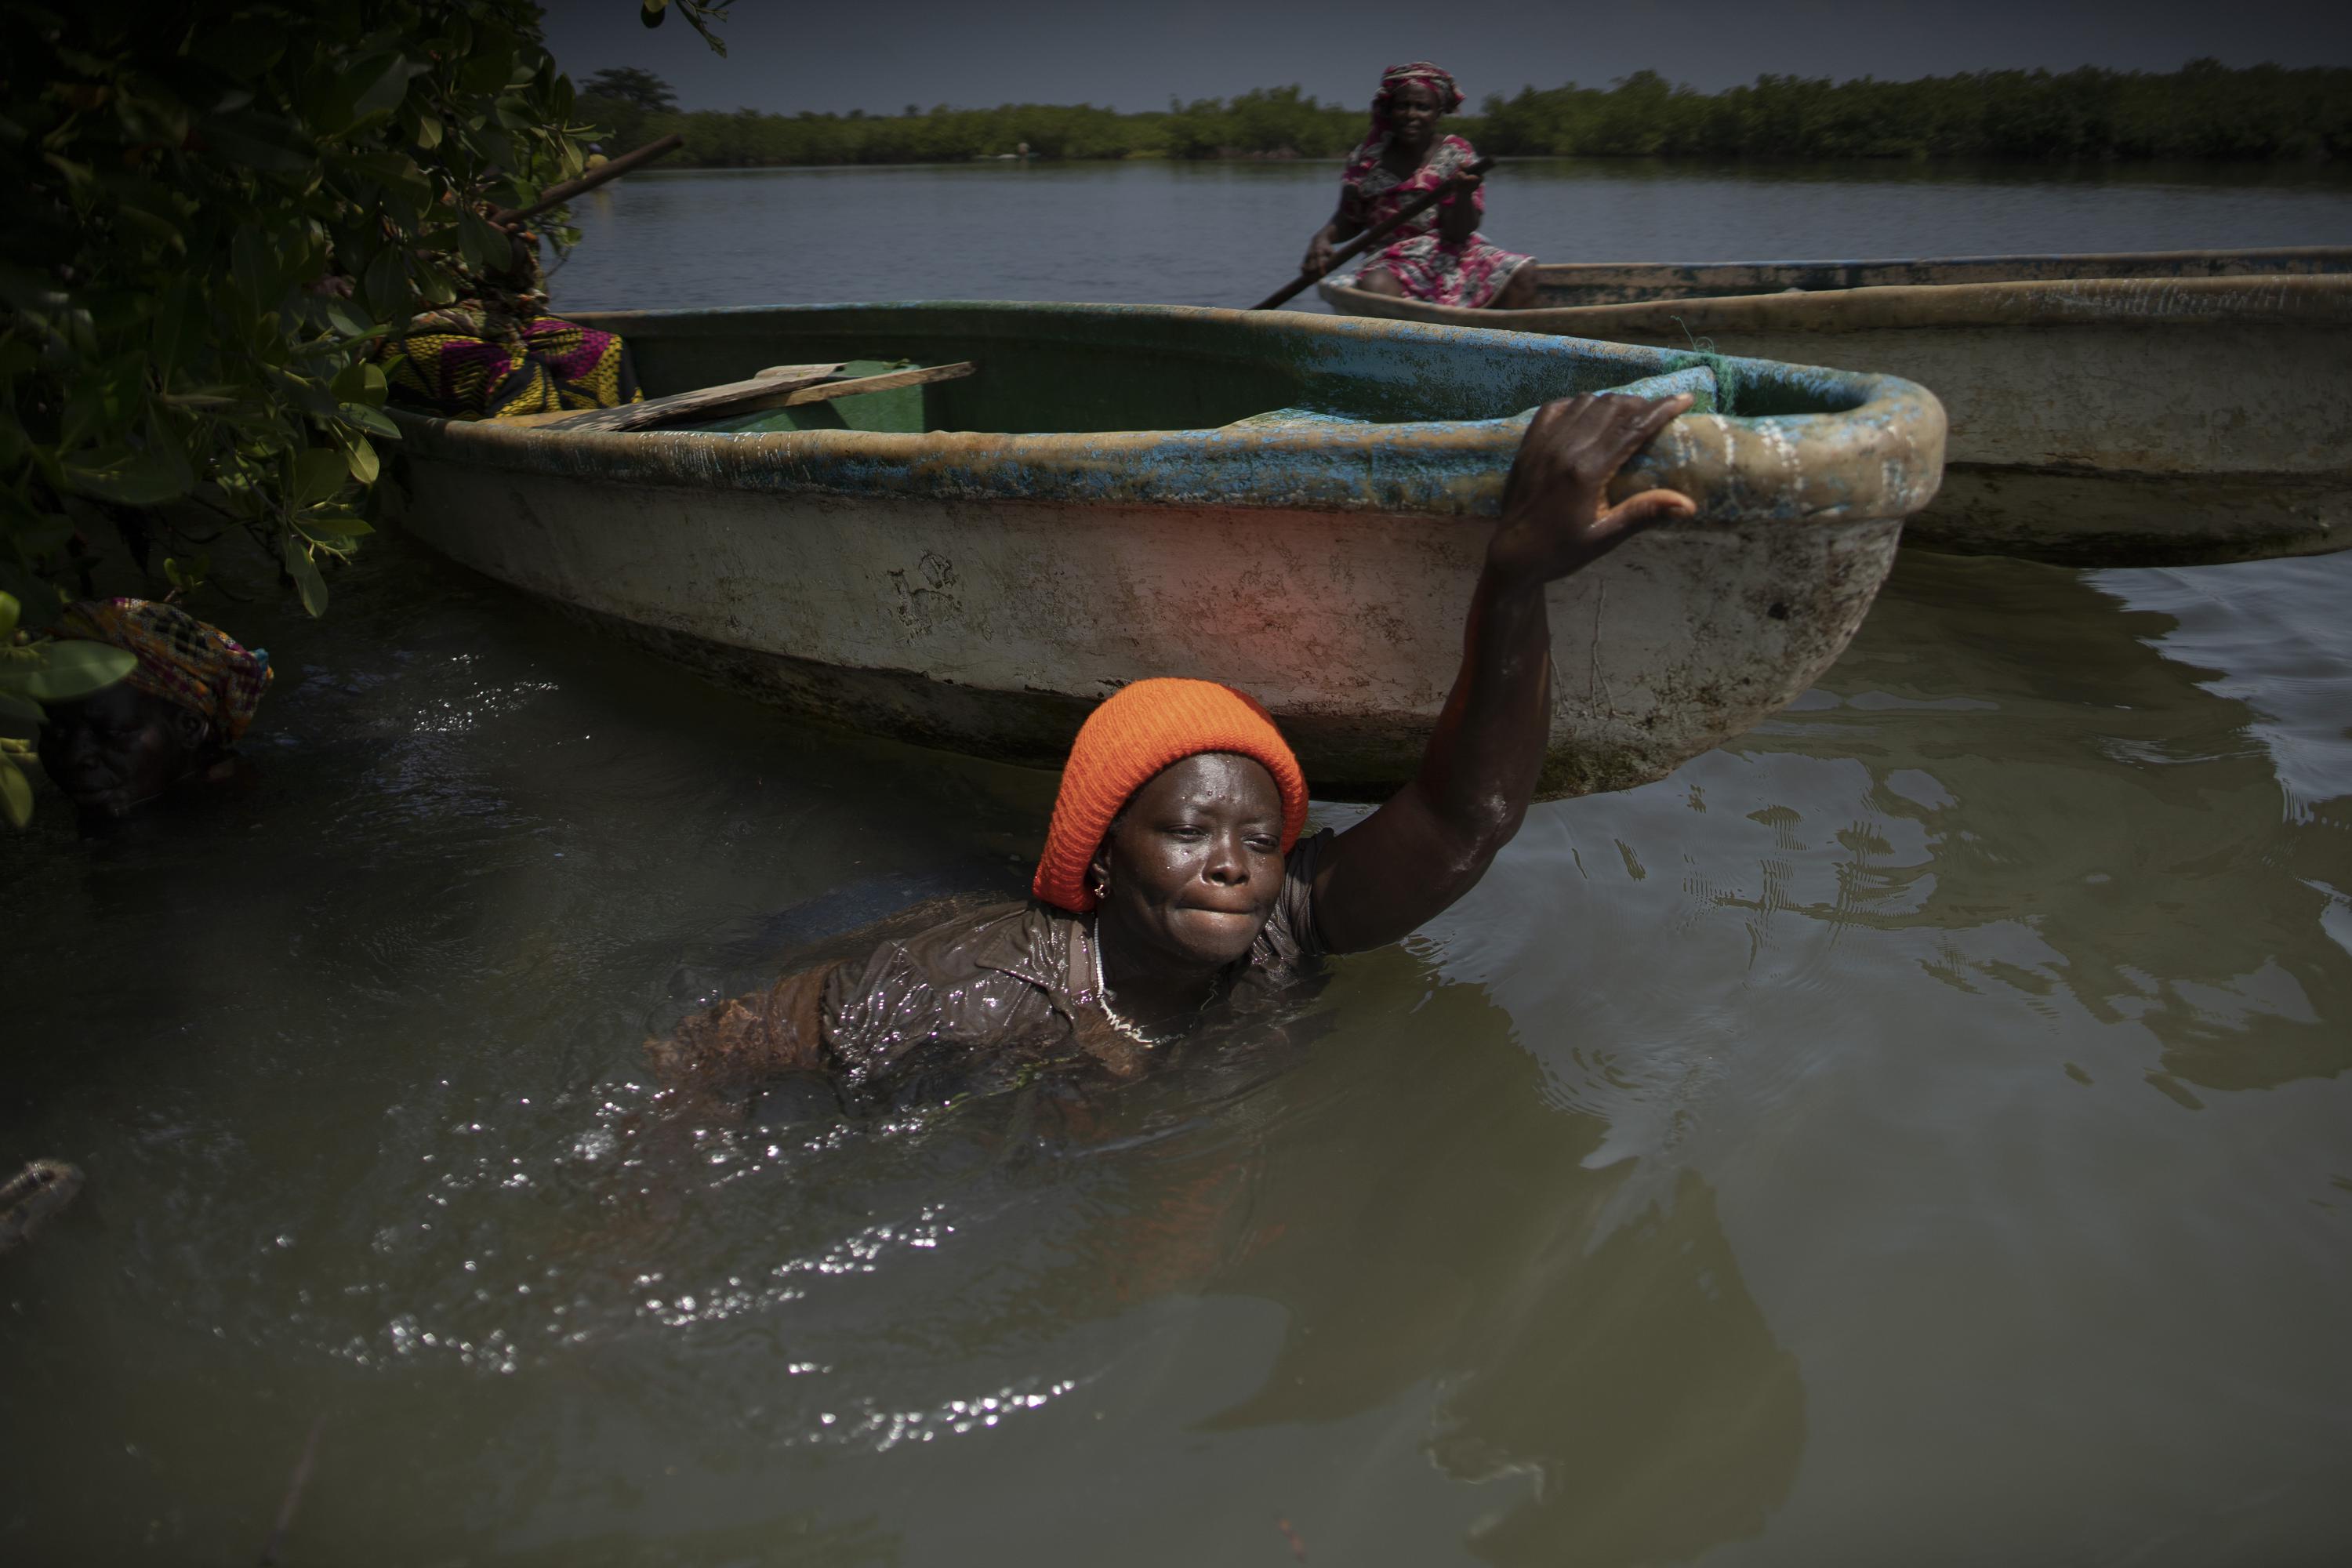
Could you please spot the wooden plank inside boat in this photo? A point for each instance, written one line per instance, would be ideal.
(761, 391)
(778, 387)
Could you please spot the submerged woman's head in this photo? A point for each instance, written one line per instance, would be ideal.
(1411, 101)
(1177, 805)
(185, 701)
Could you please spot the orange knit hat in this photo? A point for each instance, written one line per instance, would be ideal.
(1123, 743)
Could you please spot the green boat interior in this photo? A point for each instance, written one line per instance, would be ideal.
(911, 409)
(1049, 370)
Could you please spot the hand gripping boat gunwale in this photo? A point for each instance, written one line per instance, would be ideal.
(1296, 505)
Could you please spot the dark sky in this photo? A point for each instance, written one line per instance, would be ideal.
(789, 55)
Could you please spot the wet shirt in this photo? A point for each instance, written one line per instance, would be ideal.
(962, 1004)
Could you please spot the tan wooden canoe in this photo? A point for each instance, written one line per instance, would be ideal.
(2141, 409)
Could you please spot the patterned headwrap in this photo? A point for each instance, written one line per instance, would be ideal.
(181, 659)
(1435, 78)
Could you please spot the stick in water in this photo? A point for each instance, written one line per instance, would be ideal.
(1356, 247)
(293, 1493)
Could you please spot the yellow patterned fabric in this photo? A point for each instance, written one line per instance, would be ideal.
(495, 354)
(467, 363)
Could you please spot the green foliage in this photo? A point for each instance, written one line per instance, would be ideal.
(632, 85)
(629, 112)
(216, 208)
(1269, 121)
(700, 15)
(747, 137)
(2202, 110)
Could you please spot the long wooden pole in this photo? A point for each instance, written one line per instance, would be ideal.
(1382, 230)
(556, 196)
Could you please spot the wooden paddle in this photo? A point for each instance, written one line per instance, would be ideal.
(776, 381)
(914, 376)
(1382, 230)
(612, 169)
(779, 386)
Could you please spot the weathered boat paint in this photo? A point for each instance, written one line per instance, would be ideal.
(981, 589)
(2162, 408)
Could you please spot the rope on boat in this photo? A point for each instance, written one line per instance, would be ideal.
(1702, 352)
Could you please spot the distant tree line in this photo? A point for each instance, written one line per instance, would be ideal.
(2204, 110)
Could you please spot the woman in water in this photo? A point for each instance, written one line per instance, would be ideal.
(1438, 255)
(169, 726)
(1175, 883)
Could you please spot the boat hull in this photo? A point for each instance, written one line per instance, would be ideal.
(2094, 421)
(982, 591)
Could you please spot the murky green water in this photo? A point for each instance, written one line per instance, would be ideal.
(1916, 1133)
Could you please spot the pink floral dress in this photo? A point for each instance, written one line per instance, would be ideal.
(1470, 274)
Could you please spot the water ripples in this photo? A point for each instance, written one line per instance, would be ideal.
(1933, 1014)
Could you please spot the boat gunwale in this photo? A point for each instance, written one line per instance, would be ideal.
(2265, 299)
(1879, 457)
(2283, 254)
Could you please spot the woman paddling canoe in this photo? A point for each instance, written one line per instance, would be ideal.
(1175, 883)
(1439, 256)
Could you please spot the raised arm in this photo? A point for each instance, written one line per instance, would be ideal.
(1432, 842)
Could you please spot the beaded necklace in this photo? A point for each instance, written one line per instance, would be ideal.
(1102, 996)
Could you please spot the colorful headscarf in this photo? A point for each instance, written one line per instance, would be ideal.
(1435, 78)
(181, 659)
